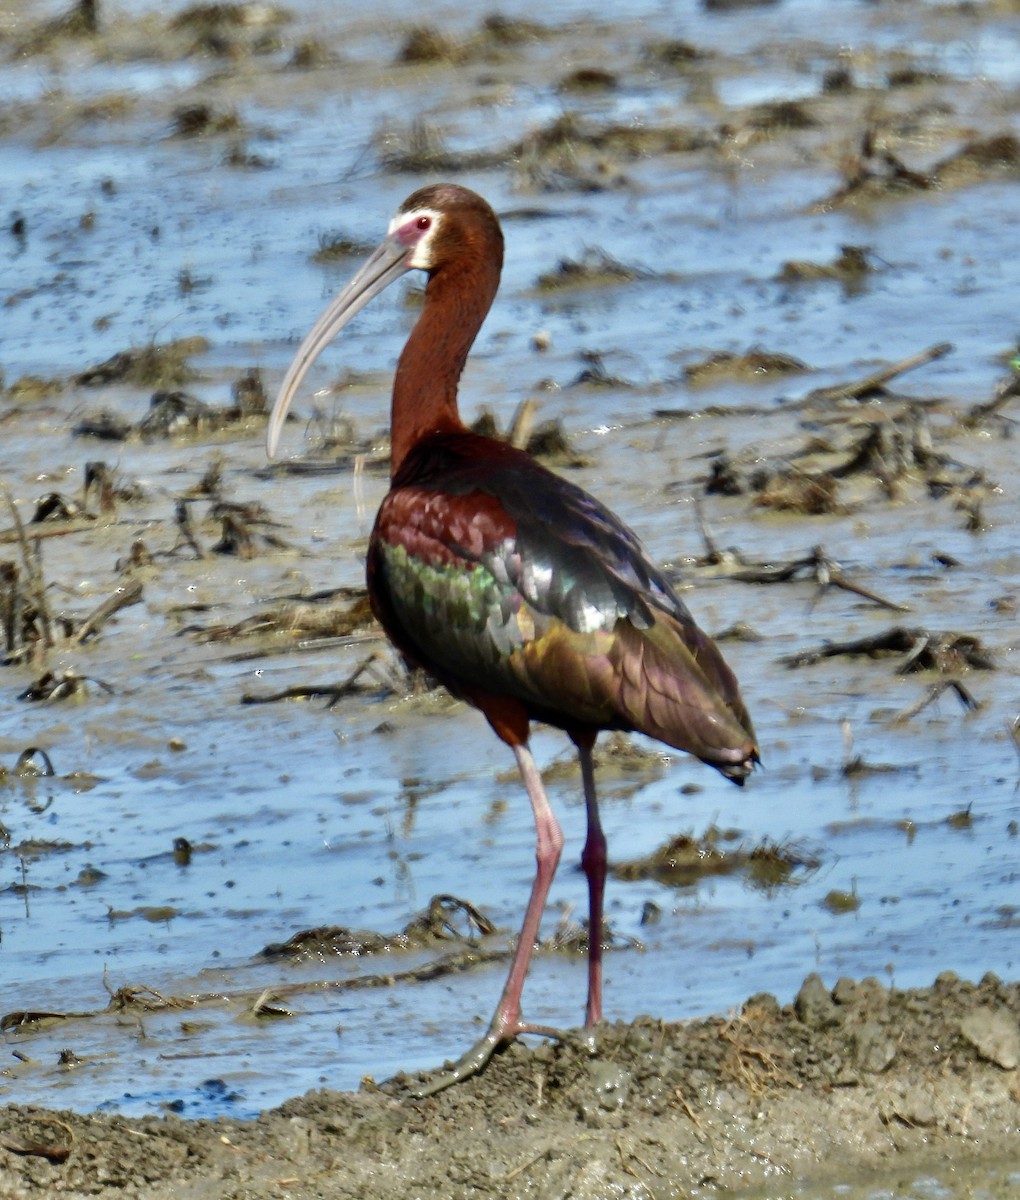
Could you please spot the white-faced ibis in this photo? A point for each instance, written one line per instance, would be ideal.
(517, 590)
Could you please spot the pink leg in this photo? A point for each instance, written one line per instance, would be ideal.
(593, 860)
(506, 1022)
(548, 848)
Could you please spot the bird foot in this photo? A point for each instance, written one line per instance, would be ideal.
(471, 1062)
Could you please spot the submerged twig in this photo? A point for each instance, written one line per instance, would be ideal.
(931, 695)
(1004, 394)
(182, 515)
(1013, 729)
(826, 571)
(307, 691)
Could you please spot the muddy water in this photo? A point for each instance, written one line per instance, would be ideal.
(300, 816)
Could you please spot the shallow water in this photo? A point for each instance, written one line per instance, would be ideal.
(982, 1181)
(303, 817)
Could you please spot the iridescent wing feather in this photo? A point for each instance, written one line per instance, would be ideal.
(497, 575)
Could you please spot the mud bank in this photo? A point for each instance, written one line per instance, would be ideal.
(765, 1103)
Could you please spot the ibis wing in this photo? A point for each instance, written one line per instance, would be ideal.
(498, 575)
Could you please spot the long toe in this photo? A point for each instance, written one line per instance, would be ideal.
(473, 1060)
(469, 1063)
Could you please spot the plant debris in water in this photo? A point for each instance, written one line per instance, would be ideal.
(851, 268)
(434, 927)
(174, 413)
(162, 366)
(915, 649)
(755, 364)
(595, 268)
(685, 859)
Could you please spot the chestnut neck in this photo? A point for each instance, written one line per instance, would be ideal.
(457, 300)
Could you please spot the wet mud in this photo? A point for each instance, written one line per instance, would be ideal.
(814, 430)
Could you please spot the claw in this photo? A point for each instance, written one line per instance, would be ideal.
(471, 1062)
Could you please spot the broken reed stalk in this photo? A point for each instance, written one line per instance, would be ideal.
(10, 606)
(877, 379)
(127, 594)
(523, 423)
(36, 533)
(33, 571)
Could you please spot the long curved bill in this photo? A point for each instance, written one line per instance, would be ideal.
(386, 263)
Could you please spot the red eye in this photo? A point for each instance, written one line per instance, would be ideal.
(424, 222)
